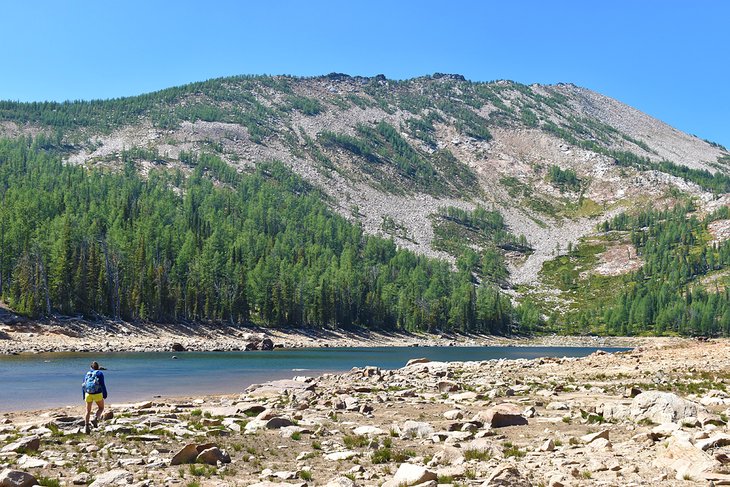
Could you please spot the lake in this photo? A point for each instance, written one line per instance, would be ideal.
(54, 379)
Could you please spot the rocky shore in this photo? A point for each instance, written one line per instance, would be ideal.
(75, 336)
(656, 415)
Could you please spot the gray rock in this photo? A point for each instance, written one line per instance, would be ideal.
(662, 407)
(447, 386)
(28, 443)
(549, 445)
(31, 462)
(341, 482)
(507, 475)
(715, 441)
(266, 344)
(112, 478)
(267, 483)
(453, 414)
(409, 474)
(341, 455)
(590, 438)
(16, 478)
(81, 479)
(557, 406)
(416, 429)
(276, 423)
(501, 415)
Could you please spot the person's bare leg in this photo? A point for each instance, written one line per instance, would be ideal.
(88, 414)
(99, 410)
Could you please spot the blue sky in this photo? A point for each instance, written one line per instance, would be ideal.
(668, 58)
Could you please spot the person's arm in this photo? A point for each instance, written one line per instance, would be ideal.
(103, 385)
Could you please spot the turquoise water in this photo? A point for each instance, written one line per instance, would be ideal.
(54, 379)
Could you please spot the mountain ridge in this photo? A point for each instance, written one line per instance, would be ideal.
(554, 160)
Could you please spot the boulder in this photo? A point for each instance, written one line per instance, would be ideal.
(250, 346)
(112, 478)
(178, 347)
(501, 415)
(687, 460)
(266, 344)
(662, 407)
(187, 454)
(506, 475)
(26, 444)
(16, 478)
(212, 456)
(409, 474)
(276, 423)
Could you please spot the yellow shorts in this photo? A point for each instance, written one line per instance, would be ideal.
(94, 397)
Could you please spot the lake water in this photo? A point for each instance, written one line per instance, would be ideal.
(54, 379)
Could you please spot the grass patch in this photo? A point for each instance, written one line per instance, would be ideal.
(477, 454)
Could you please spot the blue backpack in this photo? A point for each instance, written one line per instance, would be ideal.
(92, 384)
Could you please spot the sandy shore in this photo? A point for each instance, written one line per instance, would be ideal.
(126, 337)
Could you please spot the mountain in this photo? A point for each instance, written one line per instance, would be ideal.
(553, 194)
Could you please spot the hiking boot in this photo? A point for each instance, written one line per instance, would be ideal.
(95, 422)
(87, 428)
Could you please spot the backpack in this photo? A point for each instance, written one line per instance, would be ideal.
(92, 384)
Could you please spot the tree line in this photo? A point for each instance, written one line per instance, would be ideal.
(202, 242)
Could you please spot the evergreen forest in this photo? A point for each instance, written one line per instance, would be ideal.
(207, 243)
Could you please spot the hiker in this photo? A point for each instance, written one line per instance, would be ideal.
(94, 390)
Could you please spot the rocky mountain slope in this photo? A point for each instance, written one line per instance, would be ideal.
(553, 160)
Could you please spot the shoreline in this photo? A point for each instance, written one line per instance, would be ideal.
(576, 421)
(34, 338)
